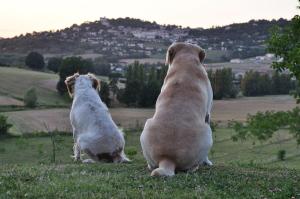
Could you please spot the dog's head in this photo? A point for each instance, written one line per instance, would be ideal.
(83, 81)
(178, 47)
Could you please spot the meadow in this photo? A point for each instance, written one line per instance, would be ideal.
(36, 163)
(241, 170)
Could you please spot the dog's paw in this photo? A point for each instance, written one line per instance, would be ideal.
(88, 161)
(150, 168)
(125, 160)
(75, 158)
(162, 172)
(193, 169)
(207, 162)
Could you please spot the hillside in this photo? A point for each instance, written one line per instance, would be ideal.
(133, 38)
(15, 82)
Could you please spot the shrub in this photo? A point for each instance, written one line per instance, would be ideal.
(281, 155)
(4, 125)
(30, 98)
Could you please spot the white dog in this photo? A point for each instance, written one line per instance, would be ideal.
(178, 136)
(94, 131)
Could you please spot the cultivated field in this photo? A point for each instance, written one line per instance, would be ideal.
(223, 111)
(6, 101)
(263, 66)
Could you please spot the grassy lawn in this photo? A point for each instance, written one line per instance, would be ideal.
(241, 170)
(133, 181)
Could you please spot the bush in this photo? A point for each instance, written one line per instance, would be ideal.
(281, 155)
(4, 125)
(35, 60)
(30, 98)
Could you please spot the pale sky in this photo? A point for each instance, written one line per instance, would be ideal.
(22, 16)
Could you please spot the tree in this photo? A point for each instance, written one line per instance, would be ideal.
(104, 93)
(30, 98)
(54, 64)
(263, 125)
(4, 125)
(69, 66)
(256, 84)
(134, 84)
(142, 85)
(222, 83)
(150, 90)
(35, 60)
(281, 83)
(285, 44)
(102, 66)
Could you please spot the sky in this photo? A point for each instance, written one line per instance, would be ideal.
(22, 16)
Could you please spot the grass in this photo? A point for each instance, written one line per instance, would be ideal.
(133, 181)
(35, 149)
(27, 171)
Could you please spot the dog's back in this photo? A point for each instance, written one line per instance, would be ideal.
(177, 135)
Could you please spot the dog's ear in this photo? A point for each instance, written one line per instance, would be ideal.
(95, 81)
(201, 55)
(170, 55)
(70, 82)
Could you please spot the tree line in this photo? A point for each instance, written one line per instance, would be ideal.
(142, 85)
(143, 82)
(36, 61)
(256, 84)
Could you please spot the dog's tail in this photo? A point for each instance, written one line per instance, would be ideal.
(166, 168)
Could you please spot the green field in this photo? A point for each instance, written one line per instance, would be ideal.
(15, 82)
(241, 170)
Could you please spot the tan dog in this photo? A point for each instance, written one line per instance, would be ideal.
(179, 137)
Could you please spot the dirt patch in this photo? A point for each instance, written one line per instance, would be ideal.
(143, 61)
(238, 109)
(6, 101)
(49, 84)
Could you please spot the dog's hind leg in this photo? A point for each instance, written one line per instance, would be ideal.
(93, 157)
(87, 161)
(76, 150)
